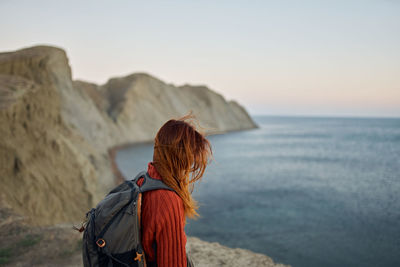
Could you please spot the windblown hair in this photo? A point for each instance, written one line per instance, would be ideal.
(181, 155)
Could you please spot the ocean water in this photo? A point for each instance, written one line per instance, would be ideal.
(305, 191)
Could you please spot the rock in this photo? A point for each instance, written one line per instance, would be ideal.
(206, 254)
(44, 173)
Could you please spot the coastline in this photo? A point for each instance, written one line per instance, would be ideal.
(112, 152)
(119, 177)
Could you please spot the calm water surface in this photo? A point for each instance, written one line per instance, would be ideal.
(305, 191)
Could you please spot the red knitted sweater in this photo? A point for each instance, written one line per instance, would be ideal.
(163, 222)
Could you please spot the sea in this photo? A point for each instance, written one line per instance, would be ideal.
(306, 191)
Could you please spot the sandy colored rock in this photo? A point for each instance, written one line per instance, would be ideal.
(43, 173)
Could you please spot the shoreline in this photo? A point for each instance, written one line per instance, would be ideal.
(112, 152)
(119, 177)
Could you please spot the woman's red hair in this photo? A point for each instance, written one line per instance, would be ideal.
(181, 155)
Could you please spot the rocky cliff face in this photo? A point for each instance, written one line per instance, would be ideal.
(56, 132)
(46, 172)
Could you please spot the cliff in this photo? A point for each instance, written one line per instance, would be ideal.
(56, 132)
(45, 166)
(56, 135)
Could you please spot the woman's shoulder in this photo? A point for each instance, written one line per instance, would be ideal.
(164, 196)
(160, 194)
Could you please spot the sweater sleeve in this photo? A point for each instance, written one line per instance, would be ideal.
(168, 222)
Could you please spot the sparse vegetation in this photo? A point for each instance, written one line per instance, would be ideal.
(29, 241)
(5, 255)
(26, 245)
(68, 252)
(79, 244)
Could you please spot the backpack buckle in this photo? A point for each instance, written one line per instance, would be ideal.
(138, 256)
(101, 242)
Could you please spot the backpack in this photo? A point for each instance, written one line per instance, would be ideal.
(112, 230)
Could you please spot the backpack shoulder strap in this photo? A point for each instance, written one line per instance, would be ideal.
(140, 174)
(150, 183)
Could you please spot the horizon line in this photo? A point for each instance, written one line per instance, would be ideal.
(327, 116)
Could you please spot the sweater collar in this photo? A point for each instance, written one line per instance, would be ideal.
(151, 169)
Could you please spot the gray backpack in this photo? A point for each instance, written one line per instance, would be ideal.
(112, 230)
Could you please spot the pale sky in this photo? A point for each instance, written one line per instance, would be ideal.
(336, 58)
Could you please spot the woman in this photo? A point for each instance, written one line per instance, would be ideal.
(180, 157)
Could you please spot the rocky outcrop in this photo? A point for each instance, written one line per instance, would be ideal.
(56, 133)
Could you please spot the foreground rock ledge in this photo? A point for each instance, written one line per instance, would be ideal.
(213, 254)
(60, 245)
